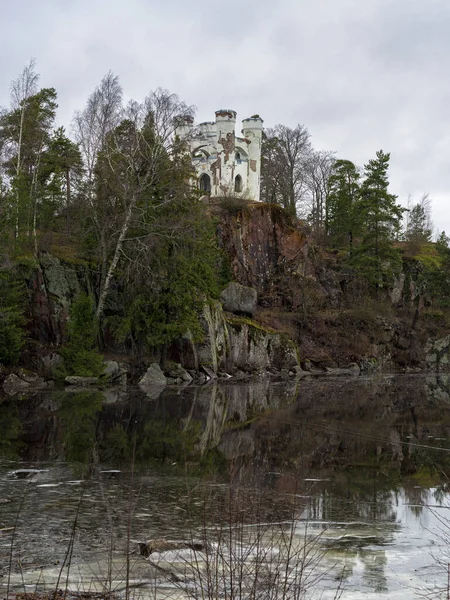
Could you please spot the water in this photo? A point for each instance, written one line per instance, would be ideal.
(358, 466)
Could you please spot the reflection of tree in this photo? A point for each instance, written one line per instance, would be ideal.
(365, 507)
(116, 446)
(79, 412)
(10, 430)
(416, 498)
(166, 440)
(441, 492)
(374, 566)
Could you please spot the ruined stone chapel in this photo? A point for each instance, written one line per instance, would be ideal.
(226, 165)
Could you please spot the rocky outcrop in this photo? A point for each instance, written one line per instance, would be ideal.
(178, 375)
(255, 348)
(53, 284)
(232, 342)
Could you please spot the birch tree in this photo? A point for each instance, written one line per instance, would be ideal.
(22, 88)
(131, 169)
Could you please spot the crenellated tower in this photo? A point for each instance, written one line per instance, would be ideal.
(226, 165)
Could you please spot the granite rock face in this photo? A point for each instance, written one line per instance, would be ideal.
(236, 343)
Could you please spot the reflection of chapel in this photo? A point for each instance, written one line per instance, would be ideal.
(226, 165)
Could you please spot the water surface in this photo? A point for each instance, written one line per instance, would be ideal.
(358, 466)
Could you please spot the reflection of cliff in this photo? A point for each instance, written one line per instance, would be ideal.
(282, 432)
(346, 427)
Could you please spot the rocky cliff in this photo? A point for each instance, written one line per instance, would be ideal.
(312, 296)
(297, 304)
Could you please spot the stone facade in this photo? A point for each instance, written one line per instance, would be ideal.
(226, 165)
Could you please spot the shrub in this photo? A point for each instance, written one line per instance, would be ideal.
(12, 320)
(233, 204)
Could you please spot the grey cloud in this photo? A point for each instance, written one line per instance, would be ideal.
(360, 75)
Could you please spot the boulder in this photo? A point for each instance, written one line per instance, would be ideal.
(24, 381)
(29, 376)
(114, 372)
(177, 372)
(298, 371)
(239, 299)
(14, 385)
(152, 377)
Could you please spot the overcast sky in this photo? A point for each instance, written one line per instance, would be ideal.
(361, 75)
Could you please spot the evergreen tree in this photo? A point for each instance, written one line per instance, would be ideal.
(182, 271)
(443, 242)
(61, 165)
(12, 320)
(380, 217)
(80, 354)
(342, 204)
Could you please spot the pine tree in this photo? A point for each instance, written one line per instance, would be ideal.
(380, 217)
(61, 164)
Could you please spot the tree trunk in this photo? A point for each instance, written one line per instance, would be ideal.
(112, 267)
(68, 202)
(18, 168)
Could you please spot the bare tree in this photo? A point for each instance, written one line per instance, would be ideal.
(101, 115)
(285, 155)
(318, 168)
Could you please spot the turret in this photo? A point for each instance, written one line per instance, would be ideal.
(225, 122)
(252, 127)
(183, 125)
(252, 131)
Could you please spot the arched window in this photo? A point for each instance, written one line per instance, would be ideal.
(205, 183)
(237, 156)
(238, 184)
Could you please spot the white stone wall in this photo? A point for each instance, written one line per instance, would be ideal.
(221, 156)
